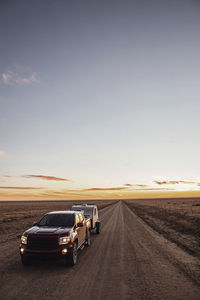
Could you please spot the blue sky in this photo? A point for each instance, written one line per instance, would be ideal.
(103, 93)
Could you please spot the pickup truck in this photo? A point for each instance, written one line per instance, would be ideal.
(59, 234)
(90, 211)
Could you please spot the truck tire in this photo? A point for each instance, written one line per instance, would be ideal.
(72, 259)
(98, 227)
(25, 260)
(88, 240)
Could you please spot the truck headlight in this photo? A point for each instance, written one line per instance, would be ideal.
(64, 240)
(24, 239)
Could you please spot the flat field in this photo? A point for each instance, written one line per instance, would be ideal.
(147, 249)
(178, 220)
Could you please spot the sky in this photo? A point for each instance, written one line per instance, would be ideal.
(99, 99)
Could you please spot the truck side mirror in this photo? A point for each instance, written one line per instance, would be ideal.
(35, 223)
(80, 224)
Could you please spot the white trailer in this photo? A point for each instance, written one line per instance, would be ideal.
(89, 211)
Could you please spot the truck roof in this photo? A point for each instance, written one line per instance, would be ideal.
(63, 212)
(84, 205)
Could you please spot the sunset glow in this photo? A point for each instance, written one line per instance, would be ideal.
(154, 190)
(99, 100)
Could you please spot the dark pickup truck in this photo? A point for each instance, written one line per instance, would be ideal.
(58, 234)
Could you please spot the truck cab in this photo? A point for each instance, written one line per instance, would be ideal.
(90, 211)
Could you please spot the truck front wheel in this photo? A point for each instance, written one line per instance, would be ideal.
(74, 256)
(25, 260)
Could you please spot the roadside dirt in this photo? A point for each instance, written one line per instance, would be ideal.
(179, 227)
(128, 260)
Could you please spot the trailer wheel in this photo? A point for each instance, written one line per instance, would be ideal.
(97, 227)
(72, 259)
(88, 240)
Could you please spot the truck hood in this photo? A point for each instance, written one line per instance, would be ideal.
(48, 230)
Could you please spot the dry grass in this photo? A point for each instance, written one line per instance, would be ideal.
(189, 206)
(176, 219)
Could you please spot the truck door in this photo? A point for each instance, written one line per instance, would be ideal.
(80, 230)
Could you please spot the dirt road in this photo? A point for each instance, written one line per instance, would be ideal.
(126, 261)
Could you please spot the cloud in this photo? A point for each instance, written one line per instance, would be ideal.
(105, 189)
(174, 182)
(187, 182)
(136, 185)
(157, 189)
(2, 153)
(141, 185)
(65, 193)
(19, 77)
(20, 188)
(166, 182)
(44, 177)
(126, 187)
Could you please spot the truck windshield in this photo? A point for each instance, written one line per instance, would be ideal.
(88, 211)
(58, 220)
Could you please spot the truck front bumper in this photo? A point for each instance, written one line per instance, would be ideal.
(61, 252)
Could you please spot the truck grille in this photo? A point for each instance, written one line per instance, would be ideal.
(42, 242)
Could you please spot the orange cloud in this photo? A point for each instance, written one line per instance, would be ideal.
(65, 194)
(157, 189)
(2, 153)
(141, 185)
(20, 188)
(105, 189)
(136, 185)
(174, 182)
(46, 177)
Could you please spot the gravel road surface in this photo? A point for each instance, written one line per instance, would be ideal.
(126, 261)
